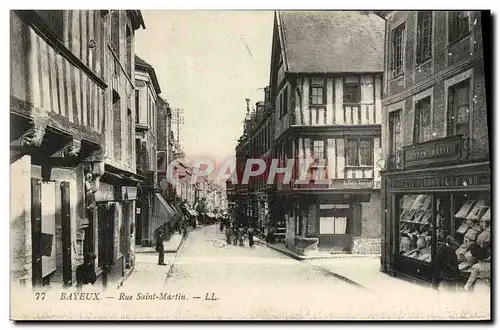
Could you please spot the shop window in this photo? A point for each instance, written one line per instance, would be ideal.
(397, 50)
(415, 219)
(458, 120)
(334, 219)
(333, 225)
(471, 227)
(359, 152)
(317, 91)
(422, 130)
(424, 36)
(458, 25)
(352, 90)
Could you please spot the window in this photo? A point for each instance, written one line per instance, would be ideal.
(352, 90)
(422, 130)
(137, 108)
(115, 31)
(415, 227)
(459, 109)
(284, 102)
(318, 150)
(395, 136)
(359, 152)
(458, 25)
(317, 91)
(424, 36)
(397, 50)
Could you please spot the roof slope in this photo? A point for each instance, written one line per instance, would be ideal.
(140, 63)
(333, 41)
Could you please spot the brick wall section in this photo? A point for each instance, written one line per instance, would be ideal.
(20, 222)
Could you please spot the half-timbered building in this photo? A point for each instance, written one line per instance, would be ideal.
(325, 86)
(72, 130)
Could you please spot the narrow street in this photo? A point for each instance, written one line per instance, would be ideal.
(260, 283)
(248, 282)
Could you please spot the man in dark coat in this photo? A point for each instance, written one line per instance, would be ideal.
(445, 264)
(85, 273)
(160, 248)
(250, 232)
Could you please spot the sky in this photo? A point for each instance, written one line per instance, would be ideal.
(207, 63)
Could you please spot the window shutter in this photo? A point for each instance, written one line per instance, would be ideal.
(66, 232)
(36, 231)
(357, 219)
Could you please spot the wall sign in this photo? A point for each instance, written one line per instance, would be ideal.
(443, 182)
(435, 151)
(338, 184)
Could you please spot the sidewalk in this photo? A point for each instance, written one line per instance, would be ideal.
(358, 269)
(170, 246)
(280, 247)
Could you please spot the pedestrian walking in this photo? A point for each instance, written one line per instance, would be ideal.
(480, 272)
(85, 273)
(160, 248)
(241, 236)
(250, 236)
(235, 235)
(445, 267)
(229, 233)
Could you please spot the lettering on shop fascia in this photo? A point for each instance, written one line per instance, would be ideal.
(455, 181)
(437, 151)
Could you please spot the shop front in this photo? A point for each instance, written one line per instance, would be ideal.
(335, 221)
(111, 229)
(425, 202)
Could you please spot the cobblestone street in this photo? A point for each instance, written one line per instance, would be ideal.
(261, 283)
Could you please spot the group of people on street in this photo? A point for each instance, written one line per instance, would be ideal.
(446, 266)
(238, 234)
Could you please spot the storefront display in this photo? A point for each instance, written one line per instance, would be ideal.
(422, 210)
(472, 224)
(415, 227)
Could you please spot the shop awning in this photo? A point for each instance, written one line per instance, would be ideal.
(162, 213)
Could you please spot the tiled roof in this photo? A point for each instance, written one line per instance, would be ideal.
(333, 41)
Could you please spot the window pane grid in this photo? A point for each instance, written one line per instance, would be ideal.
(424, 36)
(397, 50)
